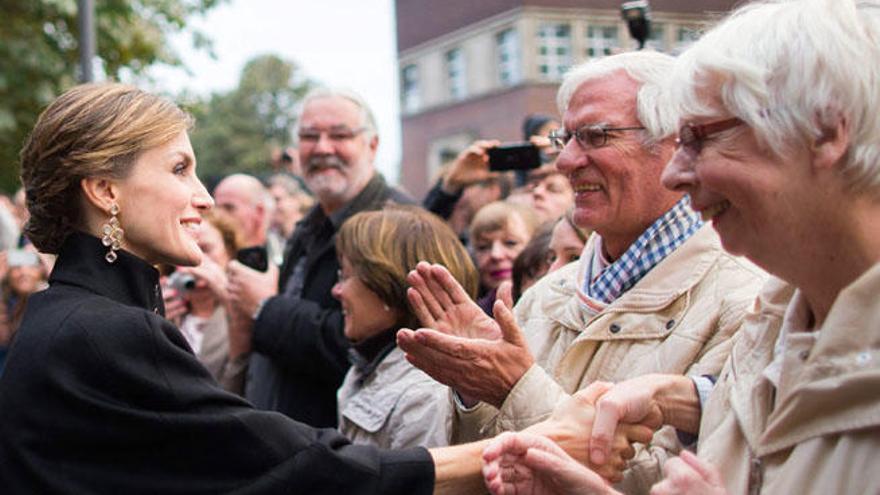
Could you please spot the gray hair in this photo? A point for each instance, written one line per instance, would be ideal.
(789, 69)
(648, 68)
(368, 121)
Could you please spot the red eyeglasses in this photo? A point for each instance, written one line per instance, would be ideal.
(691, 136)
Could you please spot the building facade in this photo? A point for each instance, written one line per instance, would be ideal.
(474, 69)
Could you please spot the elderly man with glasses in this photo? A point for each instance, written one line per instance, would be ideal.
(292, 323)
(653, 291)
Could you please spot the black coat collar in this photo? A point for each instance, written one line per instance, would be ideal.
(129, 280)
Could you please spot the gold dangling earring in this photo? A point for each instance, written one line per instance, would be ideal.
(112, 234)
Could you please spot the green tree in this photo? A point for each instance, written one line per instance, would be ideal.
(236, 131)
(39, 55)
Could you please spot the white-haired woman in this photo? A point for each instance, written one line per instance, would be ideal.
(779, 145)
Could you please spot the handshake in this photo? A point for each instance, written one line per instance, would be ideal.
(585, 444)
(549, 457)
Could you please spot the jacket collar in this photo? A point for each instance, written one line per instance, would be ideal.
(833, 392)
(677, 274)
(129, 280)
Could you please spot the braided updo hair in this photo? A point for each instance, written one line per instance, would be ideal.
(92, 130)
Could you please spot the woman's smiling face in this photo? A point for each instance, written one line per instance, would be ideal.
(161, 204)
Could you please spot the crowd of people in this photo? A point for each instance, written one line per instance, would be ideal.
(679, 298)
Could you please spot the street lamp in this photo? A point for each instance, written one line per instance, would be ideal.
(86, 14)
(637, 15)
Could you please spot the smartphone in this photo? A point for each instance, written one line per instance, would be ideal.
(514, 156)
(254, 257)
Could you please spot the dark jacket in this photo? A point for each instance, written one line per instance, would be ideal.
(102, 394)
(301, 353)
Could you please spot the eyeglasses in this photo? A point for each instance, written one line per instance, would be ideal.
(691, 136)
(594, 136)
(337, 134)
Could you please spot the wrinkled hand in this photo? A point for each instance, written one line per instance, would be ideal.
(479, 369)
(211, 275)
(631, 401)
(527, 464)
(247, 287)
(687, 474)
(442, 304)
(571, 424)
(471, 165)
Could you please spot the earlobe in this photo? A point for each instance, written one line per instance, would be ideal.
(832, 144)
(99, 192)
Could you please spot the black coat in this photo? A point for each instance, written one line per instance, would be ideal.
(102, 394)
(301, 351)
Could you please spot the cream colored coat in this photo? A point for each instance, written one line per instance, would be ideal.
(678, 319)
(395, 407)
(821, 434)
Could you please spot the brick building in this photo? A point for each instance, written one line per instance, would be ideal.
(473, 69)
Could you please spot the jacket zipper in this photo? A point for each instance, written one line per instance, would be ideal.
(756, 475)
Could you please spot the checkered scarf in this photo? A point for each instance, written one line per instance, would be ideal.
(664, 236)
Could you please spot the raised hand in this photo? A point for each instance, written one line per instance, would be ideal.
(211, 275)
(247, 287)
(481, 358)
(442, 304)
(471, 165)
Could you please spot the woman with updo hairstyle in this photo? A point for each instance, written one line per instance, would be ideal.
(384, 400)
(101, 393)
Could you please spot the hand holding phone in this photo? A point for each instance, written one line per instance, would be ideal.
(514, 156)
(254, 257)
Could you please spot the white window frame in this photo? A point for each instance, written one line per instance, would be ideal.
(602, 40)
(410, 96)
(456, 73)
(507, 49)
(555, 40)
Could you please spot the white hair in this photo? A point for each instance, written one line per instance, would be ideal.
(648, 68)
(790, 69)
(368, 121)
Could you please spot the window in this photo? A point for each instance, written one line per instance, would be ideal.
(455, 74)
(507, 49)
(601, 41)
(657, 39)
(554, 50)
(685, 37)
(410, 99)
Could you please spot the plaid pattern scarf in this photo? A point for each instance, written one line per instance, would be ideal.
(664, 236)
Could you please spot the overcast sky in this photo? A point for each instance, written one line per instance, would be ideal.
(349, 43)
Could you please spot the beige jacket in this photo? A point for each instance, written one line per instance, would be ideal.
(678, 319)
(395, 407)
(820, 431)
